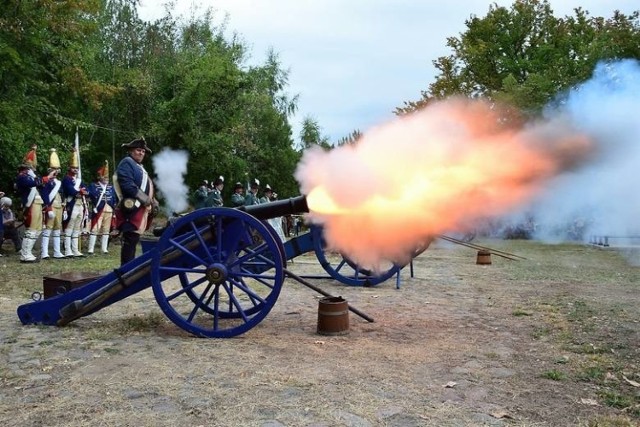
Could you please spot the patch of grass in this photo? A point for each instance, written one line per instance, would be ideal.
(592, 373)
(580, 312)
(554, 375)
(21, 280)
(141, 323)
(100, 333)
(615, 400)
(549, 307)
(109, 330)
(540, 332)
(611, 421)
(518, 312)
(112, 350)
(589, 348)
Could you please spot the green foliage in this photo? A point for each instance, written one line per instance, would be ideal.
(97, 67)
(42, 77)
(311, 134)
(525, 56)
(350, 139)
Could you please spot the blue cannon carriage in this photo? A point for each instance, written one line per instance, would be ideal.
(215, 272)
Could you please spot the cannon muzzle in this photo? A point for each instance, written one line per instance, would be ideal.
(278, 208)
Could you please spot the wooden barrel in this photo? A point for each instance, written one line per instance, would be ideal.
(333, 316)
(484, 258)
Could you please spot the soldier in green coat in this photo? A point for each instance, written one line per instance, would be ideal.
(237, 198)
(214, 200)
(201, 194)
(252, 195)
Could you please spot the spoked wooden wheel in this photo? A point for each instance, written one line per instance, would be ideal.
(345, 270)
(227, 280)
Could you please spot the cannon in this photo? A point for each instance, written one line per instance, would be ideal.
(215, 272)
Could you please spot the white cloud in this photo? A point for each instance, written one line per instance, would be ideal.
(353, 62)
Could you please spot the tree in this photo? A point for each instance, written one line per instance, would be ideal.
(44, 84)
(311, 134)
(525, 55)
(350, 139)
(95, 65)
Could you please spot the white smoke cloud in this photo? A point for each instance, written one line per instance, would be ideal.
(601, 198)
(170, 167)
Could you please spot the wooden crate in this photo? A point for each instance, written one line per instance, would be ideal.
(64, 282)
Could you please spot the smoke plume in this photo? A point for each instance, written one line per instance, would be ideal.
(459, 161)
(601, 197)
(170, 167)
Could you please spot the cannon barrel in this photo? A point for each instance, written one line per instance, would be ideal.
(263, 211)
(278, 208)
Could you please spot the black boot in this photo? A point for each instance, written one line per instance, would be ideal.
(130, 240)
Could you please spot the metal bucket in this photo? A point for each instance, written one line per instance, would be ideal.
(333, 316)
(484, 258)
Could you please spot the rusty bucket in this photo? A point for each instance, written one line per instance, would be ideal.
(333, 316)
(484, 258)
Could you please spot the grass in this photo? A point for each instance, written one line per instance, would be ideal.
(554, 375)
(27, 278)
(592, 373)
(612, 421)
(615, 399)
(541, 332)
(595, 332)
(518, 312)
(580, 312)
(140, 323)
(598, 338)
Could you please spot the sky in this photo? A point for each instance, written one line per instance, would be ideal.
(353, 62)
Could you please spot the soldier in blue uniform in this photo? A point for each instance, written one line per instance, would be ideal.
(103, 200)
(27, 185)
(75, 212)
(136, 198)
(53, 206)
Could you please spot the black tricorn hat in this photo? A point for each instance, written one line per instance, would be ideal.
(137, 143)
(238, 185)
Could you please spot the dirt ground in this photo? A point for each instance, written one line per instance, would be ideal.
(552, 340)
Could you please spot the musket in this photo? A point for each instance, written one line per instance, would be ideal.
(85, 209)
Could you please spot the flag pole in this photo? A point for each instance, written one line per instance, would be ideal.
(77, 150)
